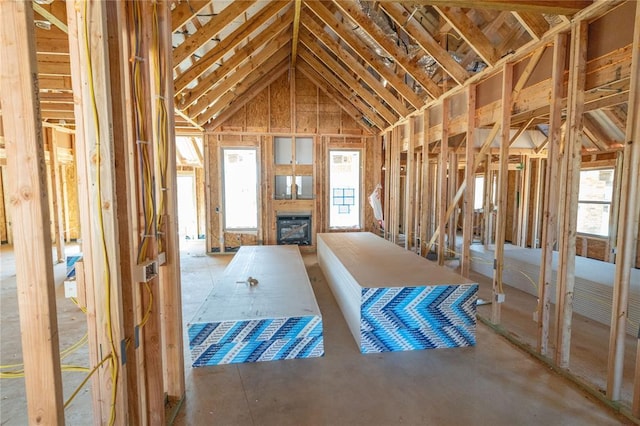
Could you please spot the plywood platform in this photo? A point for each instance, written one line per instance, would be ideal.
(276, 318)
(394, 300)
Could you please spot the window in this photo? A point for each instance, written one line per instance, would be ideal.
(594, 201)
(344, 189)
(240, 189)
(478, 195)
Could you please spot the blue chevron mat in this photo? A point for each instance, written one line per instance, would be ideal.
(408, 318)
(255, 340)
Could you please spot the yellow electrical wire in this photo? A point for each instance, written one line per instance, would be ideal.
(86, 379)
(114, 356)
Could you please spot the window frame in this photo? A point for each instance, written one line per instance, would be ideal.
(223, 176)
(608, 203)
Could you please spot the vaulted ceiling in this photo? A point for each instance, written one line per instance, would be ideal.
(379, 60)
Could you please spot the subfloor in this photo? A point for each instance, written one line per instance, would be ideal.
(493, 383)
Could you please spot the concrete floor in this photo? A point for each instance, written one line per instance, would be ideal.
(492, 383)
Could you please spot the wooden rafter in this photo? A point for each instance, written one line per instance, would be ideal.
(534, 23)
(363, 74)
(351, 82)
(403, 18)
(296, 29)
(234, 61)
(473, 35)
(343, 88)
(209, 30)
(564, 7)
(230, 80)
(185, 12)
(409, 64)
(347, 35)
(260, 72)
(226, 45)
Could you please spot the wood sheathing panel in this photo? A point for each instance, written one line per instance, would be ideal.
(200, 206)
(329, 114)
(306, 99)
(3, 216)
(72, 224)
(258, 112)
(237, 120)
(280, 101)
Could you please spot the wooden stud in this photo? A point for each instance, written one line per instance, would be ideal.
(615, 206)
(410, 183)
(572, 157)
(551, 199)
(56, 194)
(28, 199)
(501, 215)
(452, 217)
(170, 284)
(425, 204)
(627, 235)
(537, 203)
(524, 197)
(442, 180)
(469, 194)
(487, 205)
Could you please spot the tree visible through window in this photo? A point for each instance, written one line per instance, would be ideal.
(594, 201)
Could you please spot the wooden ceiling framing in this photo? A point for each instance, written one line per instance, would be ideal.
(381, 61)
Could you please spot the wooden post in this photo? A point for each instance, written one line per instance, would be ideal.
(537, 204)
(501, 216)
(65, 205)
(387, 184)
(453, 203)
(551, 196)
(425, 204)
(208, 202)
(615, 208)
(89, 34)
(573, 148)
(27, 189)
(487, 207)
(469, 195)
(523, 208)
(56, 193)
(628, 233)
(170, 285)
(410, 182)
(442, 180)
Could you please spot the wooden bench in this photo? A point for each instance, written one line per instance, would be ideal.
(262, 309)
(393, 299)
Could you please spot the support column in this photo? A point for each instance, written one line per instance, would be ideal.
(27, 190)
(501, 216)
(425, 204)
(442, 181)
(551, 194)
(387, 184)
(57, 196)
(572, 157)
(469, 195)
(410, 179)
(627, 234)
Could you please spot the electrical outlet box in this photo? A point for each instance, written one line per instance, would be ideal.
(70, 289)
(145, 272)
(500, 297)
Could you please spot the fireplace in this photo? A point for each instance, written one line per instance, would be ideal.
(294, 228)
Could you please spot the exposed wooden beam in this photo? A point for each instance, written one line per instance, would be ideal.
(188, 119)
(185, 11)
(248, 92)
(209, 30)
(473, 35)
(227, 44)
(50, 17)
(347, 35)
(501, 215)
(409, 23)
(534, 23)
(332, 93)
(296, 29)
(374, 103)
(342, 88)
(234, 61)
(564, 7)
(360, 71)
(569, 194)
(409, 64)
(240, 73)
(27, 189)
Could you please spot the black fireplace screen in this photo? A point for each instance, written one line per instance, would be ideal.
(294, 230)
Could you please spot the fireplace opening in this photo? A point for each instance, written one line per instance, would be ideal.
(294, 228)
